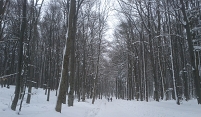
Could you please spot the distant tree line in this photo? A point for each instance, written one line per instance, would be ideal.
(157, 55)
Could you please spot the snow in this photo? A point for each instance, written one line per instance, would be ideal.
(8, 75)
(197, 48)
(39, 107)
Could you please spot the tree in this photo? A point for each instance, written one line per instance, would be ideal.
(102, 17)
(3, 6)
(192, 57)
(35, 11)
(19, 75)
(69, 52)
(155, 29)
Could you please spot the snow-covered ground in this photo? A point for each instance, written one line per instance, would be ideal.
(39, 107)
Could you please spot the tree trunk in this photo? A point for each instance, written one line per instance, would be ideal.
(70, 38)
(84, 69)
(63, 82)
(48, 93)
(191, 52)
(72, 33)
(29, 92)
(97, 65)
(19, 75)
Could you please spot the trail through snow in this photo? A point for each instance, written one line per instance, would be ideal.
(39, 107)
(123, 108)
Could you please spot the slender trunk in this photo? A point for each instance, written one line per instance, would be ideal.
(29, 92)
(156, 97)
(84, 67)
(97, 68)
(97, 72)
(78, 79)
(19, 75)
(23, 93)
(48, 93)
(172, 66)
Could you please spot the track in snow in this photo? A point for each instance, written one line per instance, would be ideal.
(123, 108)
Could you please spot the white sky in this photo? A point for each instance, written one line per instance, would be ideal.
(112, 20)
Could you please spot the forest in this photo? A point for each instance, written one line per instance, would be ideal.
(62, 45)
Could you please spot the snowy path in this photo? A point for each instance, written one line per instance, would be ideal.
(39, 107)
(123, 108)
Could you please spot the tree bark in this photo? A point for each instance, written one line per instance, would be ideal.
(19, 75)
(29, 92)
(68, 49)
(72, 33)
(191, 52)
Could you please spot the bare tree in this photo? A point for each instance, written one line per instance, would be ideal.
(3, 6)
(19, 75)
(69, 52)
